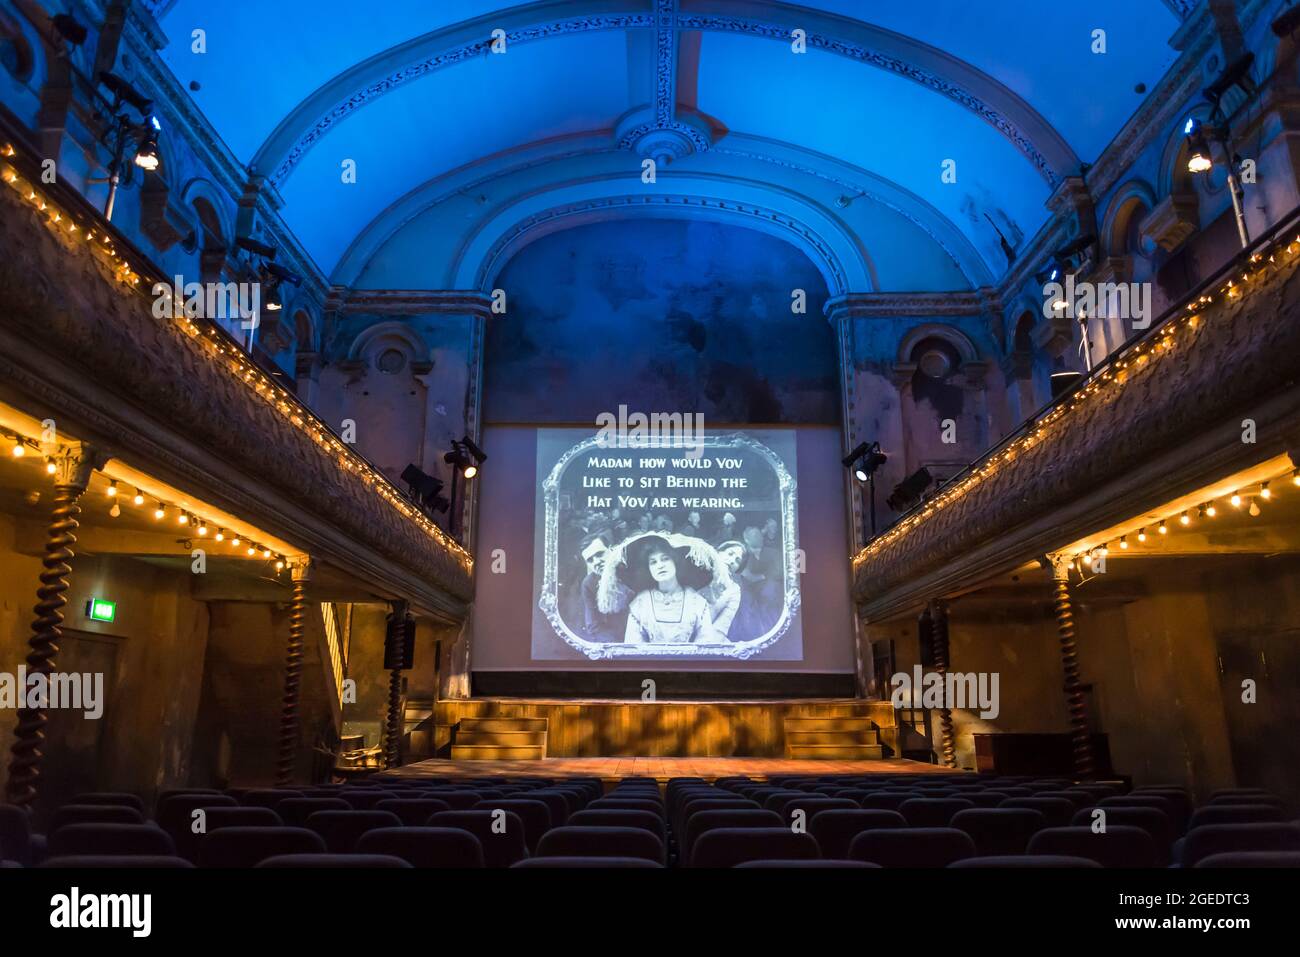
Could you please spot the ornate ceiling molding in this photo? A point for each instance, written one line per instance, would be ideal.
(1045, 149)
(872, 305)
(553, 219)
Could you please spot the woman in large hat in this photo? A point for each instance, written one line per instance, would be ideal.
(667, 573)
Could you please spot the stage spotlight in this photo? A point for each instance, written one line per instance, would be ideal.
(282, 274)
(909, 491)
(425, 489)
(1199, 159)
(273, 301)
(1236, 73)
(124, 91)
(465, 456)
(146, 156)
(865, 460)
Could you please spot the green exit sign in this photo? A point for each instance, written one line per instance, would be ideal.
(101, 609)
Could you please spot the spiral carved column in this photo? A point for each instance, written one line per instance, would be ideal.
(1075, 696)
(301, 570)
(939, 644)
(395, 653)
(73, 466)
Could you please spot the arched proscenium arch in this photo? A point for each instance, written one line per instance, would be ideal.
(846, 266)
(945, 75)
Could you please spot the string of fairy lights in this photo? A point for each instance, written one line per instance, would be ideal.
(1130, 360)
(187, 518)
(233, 358)
(1247, 498)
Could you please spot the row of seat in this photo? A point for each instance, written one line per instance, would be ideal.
(502, 822)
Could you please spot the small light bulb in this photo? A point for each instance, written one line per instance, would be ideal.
(1295, 479)
(159, 511)
(1087, 558)
(1103, 551)
(115, 511)
(19, 449)
(252, 550)
(1254, 508)
(49, 466)
(1123, 542)
(203, 527)
(183, 518)
(138, 500)
(279, 565)
(112, 489)
(1161, 528)
(1184, 519)
(234, 543)
(1235, 500)
(1211, 511)
(266, 553)
(1264, 493)
(221, 534)
(1142, 534)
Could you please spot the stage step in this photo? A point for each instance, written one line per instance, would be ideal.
(835, 752)
(514, 739)
(833, 739)
(856, 725)
(496, 752)
(499, 739)
(502, 724)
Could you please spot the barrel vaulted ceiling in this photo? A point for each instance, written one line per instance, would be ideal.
(463, 154)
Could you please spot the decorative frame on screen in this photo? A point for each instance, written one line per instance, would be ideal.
(550, 600)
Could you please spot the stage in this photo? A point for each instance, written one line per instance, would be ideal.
(660, 768)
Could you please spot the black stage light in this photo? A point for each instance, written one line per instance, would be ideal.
(282, 274)
(253, 246)
(69, 28)
(1236, 73)
(425, 489)
(125, 91)
(146, 156)
(465, 456)
(909, 491)
(868, 461)
(856, 454)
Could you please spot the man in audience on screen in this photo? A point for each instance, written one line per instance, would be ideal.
(692, 525)
(597, 625)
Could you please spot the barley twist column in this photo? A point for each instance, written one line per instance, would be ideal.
(1075, 696)
(73, 465)
(939, 644)
(395, 653)
(301, 571)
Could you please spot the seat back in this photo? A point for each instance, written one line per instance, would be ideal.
(246, 846)
(1001, 830)
(1120, 845)
(729, 846)
(500, 832)
(571, 841)
(341, 829)
(836, 828)
(912, 846)
(119, 839)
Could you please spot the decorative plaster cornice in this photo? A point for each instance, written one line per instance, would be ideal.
(417, 302)
(870, 305)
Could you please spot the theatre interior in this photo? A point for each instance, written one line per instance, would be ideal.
(649, 434)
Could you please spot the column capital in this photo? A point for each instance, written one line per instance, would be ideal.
(300, 567)
(1060, 566)
(73, 464)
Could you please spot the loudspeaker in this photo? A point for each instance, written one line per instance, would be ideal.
(399, 643)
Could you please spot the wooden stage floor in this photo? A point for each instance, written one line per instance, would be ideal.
(611, 769)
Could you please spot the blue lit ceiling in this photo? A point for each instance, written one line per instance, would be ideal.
(462, 154)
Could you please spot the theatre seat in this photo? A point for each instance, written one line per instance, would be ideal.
(295, 811)
(1152, 820)
(117, 839)
(1250, 859)
(341, 829)
(425, 847)
(117, 862)
(932, 812)
(15, 834)
(729, 846)
(836, 828)
(1235, 814)
(364, 800)
(314, 861)
(601, 842)
(1057, 811)
(1120, 845)
(1001, 830)
(216, 817)
(94, 814)
(500, 834)
(116, 798)
(912, 846)
(608, 817)
(1024, 861)
(600, 863)
(534, 814)
(709, 820)
(267, 797)
(1231, 838)
(246, 846)
(828, 864)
